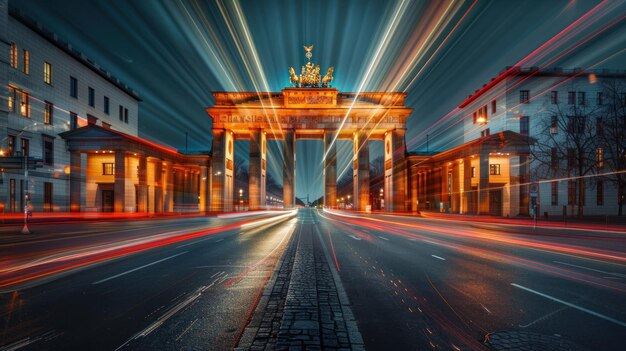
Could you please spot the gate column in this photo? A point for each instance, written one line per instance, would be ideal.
(256, 188)
(361, 180)
(330, 171)
(289, 169)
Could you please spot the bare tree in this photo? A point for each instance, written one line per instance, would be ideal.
(566, 145)
(614, 137)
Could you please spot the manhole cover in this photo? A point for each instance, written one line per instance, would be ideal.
(529, 341)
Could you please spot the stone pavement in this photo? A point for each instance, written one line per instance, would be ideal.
(515, 340)
(304, 306)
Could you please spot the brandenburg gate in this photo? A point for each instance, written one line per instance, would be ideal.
(309, 109)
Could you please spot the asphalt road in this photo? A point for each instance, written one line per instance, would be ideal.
(192, 294)
(413, 284)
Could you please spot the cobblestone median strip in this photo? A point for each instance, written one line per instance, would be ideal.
(304, 306)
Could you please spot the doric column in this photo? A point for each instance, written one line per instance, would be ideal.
(119, 189)
(361, 178)
(395, 171)
(157, 203)
(75, 181)
(204, 189)
(483, 183)
(524, 179)
(142, 186)
(289, 169)
(330, 171)
(223, 182)
(256, 188)
(466, 189)
(169, 188)
(414, 188)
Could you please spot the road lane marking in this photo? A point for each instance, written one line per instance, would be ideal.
(355, 237)
(441, 258)
(138, 268)
(382, 237)
(582, 309)
(590, 269)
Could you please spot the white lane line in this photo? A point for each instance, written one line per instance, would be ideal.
(355, 237)
(441, 258)
(218, 240)
(582, 309)
(138, 268)
(590, 269)
(382, 237)
(194, 242)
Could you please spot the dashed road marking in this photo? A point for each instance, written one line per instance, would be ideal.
(138, 268)
(355, 237)
(382, 237)
(437, 257)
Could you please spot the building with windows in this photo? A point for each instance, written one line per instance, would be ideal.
(53, 97)
(546, 135)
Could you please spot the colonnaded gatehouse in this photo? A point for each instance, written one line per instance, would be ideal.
(309, 109)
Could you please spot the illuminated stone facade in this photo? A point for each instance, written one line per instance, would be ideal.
(309, 113)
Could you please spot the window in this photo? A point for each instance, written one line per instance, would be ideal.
(523, 125)
(125, 115)
(11, 145)
(92, 97)
(600, 193)
(73, 87)
(554, 97)
(554, 124)
(554, 158)
(600, 98)
(485, 133)
(571, 158)
(524, 96)
(571, 192)
(599, 126)
(581, 97)
(25, 147)
(571, 97)
(494, 169)
(106, 105)
(47, 197)
(11, 99)
(13, 55)
(25, 104)
(48, 150)
(13, 203)
(493, 106)
(555, 193)
(600, 157)
(473, 172)
(121, 113)
(48, 110)
(47, 73)
(108, 168)
(576, 124)
(73, 120)
(475, 115)
(26, 58)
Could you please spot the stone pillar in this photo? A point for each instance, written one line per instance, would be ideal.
(483, 183)
(256, 188)
(157, 204)
(75, 181)
(395, 171)
(169, 188)
(330, 171)
(524, 189)
(223, 182)
(142, 186)
(289, 169)
(414, 188)
(204, 189)
(119, 188)
(466, 183)
(361, 183)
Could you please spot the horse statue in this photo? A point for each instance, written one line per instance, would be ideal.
(328, 78)
(293, 78)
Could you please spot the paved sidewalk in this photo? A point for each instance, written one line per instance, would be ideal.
(304, 306)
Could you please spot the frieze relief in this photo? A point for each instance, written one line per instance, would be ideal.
(259, 119)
